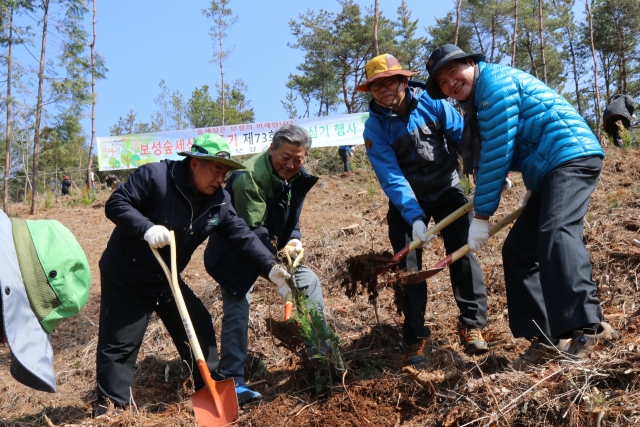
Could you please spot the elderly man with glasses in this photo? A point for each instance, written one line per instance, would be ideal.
(411, 142)
(268, 194)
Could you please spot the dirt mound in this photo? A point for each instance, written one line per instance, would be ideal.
(344, 217)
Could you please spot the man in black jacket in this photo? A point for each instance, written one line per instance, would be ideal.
(268, 195)
(185, 196)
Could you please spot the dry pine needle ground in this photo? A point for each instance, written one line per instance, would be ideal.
(451, 389)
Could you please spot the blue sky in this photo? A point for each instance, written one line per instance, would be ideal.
(146, 41)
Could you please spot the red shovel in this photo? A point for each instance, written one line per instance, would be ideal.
(435, 229)
(216, 404)
(419, 276)
(430, 232)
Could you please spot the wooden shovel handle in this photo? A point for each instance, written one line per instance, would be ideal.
(172, 277)
(467, 207)
(454, 256)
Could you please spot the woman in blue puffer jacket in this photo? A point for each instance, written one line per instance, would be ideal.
(514, 122)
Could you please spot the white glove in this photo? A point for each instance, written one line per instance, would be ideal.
(419, 228)
(507, 185)
(478, 234)
(293, 248)
(525, 199)
(279, 275)
(157, 236)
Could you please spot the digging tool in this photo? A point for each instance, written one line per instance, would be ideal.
(216, 404)
(419, 276)
(467, 207)
(288, 305)
(430, 232)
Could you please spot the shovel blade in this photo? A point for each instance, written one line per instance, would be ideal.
(422, 275)
(210, 414)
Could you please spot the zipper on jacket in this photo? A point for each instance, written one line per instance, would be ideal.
(191, 221)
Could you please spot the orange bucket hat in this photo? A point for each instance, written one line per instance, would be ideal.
(382, 66)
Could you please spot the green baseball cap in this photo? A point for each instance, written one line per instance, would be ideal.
(54, 269)
(212, 147)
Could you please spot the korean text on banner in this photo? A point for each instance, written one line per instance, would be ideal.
(131, 151)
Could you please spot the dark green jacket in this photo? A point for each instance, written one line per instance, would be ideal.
(270, 206)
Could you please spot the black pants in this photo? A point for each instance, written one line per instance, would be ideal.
(124, 316)
(546, 264)
(344, 155)
(466, 276)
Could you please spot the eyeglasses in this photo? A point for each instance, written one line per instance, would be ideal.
(379, 84)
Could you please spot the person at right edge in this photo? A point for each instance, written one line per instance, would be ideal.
(517, 123)
(617, 116)
(411, 140)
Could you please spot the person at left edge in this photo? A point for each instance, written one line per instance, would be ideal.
(44, 278)
(185, 196)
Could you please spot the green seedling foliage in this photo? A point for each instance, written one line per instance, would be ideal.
(314, 330)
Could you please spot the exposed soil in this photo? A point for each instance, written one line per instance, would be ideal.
(339, 222)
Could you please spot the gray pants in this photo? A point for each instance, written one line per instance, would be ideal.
(235, 323)
(547, 271)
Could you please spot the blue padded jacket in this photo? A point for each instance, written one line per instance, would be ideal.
(525, 126)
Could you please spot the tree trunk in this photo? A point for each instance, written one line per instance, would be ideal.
(93, 100)
(575, 70)
(36, 137)
(7, 156)
(375, 29)
(493, 36)
(455, 38)
(222, 76)
(530, 50)
(622, 59)
(606, 75)
(595, 70)
(544, 62)
(515, 34)
(475, 27)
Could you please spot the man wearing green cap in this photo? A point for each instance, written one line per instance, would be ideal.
(44, 278)
(186, 197)
(411, 143)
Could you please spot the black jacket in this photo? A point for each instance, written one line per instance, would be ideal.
(156, 194)
(620, 105)
(226, 265)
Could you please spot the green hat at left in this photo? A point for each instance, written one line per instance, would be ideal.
(212, 147)
(54, 269)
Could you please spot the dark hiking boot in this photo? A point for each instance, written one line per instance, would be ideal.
(103, 407)
(471, 339)
(246, 395)
(584, 340)
(538, 353)
(419, 351)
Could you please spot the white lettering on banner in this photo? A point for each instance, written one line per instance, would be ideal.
(132, 151)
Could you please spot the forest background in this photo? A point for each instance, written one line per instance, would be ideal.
(229, 63)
